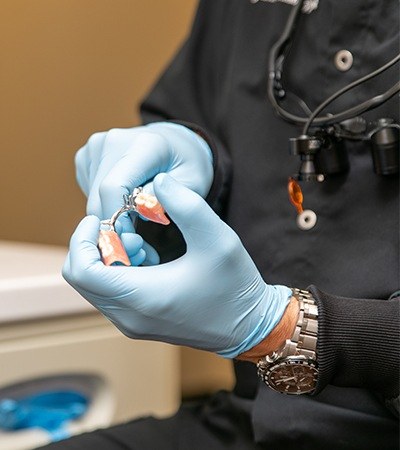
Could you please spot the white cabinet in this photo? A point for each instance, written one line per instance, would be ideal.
(72, 344)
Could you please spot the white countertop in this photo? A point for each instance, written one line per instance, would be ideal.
(31, 284)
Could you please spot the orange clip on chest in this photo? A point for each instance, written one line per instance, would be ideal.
(306, 218)
(295, 195)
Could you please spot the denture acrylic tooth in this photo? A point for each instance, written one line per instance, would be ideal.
(111, 249)
(149, 207)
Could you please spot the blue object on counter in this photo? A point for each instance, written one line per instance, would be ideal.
(50, 411)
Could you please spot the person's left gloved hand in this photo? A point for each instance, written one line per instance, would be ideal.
(113, 163)
(212, 298)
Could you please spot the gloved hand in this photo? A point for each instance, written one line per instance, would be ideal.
(212, 298)
(113, 163)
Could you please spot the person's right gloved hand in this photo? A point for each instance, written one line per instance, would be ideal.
(113, 163)
(212, 298)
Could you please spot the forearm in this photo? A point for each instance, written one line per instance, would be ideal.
(358, 343)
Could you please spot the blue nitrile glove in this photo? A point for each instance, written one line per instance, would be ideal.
(113, 163)
(50, 411)
(212, 298)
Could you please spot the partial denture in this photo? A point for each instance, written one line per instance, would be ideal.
(111, 249)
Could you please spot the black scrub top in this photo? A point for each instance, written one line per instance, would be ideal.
(217, 85)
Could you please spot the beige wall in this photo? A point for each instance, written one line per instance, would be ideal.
(69, 68)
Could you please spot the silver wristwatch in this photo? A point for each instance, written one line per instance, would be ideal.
(293, 369)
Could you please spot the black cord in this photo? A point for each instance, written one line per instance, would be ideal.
(365, 106)
(276, 60)
(280, 47)
(303, 105)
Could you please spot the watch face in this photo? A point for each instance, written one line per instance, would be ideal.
(294, 375)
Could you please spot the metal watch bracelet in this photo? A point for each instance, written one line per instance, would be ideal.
(303, 343)
(304, 339)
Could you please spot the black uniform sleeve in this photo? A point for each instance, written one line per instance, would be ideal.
(358, 343)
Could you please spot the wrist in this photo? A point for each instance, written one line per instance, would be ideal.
(277, 337)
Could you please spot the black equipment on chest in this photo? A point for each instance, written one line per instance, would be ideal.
(321, 146)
